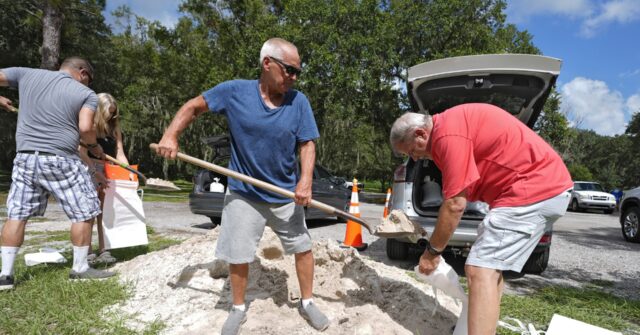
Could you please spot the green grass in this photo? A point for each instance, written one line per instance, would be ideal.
(46, 302)
(588, 305)
(169, 196)
(5, 183)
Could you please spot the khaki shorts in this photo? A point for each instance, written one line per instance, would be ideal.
(508, 235)
(243, 223)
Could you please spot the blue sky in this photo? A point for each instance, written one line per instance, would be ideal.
(596, 39)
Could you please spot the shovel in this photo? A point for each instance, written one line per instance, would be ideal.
(269, 187)
(153, 183)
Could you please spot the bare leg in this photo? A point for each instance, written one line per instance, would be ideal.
(238, 275)
(304, 268)
(485, 291)
(13, 233)
(81, 233)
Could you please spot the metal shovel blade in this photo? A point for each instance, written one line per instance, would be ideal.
(397, 224)
(267, 186)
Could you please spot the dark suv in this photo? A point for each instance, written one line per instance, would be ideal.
(519, 84)
(327, 188)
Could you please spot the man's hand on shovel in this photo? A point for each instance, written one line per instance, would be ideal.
(168, 147)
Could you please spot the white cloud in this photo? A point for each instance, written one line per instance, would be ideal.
(629, 73)
(616, 11)
(522, 10)
(593, 15)
(633, 104)
(590, 104)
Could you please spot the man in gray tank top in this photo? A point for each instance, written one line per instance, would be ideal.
(56, 112)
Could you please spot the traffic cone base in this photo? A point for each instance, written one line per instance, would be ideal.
(353, 235)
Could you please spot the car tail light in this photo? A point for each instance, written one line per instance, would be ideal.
(546, 238)
(400, 174)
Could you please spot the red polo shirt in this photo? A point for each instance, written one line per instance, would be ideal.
(495, 157)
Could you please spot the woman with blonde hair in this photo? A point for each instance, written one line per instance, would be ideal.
(106, 122)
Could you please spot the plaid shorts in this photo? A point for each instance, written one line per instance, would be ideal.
(36, 176)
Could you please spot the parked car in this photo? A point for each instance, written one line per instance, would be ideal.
(519, 84)
(629, 214)
(590, 195)
(327, 188)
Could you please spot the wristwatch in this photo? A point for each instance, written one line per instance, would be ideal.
(91, 146)
(433, 251)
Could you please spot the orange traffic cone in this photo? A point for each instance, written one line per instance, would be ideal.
(386, 204)
(353, 236)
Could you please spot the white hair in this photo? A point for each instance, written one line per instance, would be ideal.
(274, 47)
(404, 127)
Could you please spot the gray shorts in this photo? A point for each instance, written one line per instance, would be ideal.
(35, 177)
(243, 223)
(508, 235)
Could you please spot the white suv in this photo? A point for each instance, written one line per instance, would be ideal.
(590, 195)
(519, 84)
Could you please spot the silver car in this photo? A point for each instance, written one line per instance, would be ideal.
(519, 84)
(630, 215)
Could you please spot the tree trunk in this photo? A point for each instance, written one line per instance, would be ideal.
(51, 32)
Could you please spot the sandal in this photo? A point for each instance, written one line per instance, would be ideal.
(105, 258)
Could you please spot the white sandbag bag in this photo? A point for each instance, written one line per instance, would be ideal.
(562, 325)
(123, 219)
(45, 255)
(445, 278)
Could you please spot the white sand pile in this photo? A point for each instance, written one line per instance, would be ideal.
(187, 289)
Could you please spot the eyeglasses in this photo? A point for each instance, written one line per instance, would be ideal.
(289, 69)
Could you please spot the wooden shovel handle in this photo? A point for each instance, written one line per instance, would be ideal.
(269, 187)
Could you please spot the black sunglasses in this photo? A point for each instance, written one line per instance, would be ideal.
(289, 69)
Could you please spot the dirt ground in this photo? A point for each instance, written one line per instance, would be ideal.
(187, 288)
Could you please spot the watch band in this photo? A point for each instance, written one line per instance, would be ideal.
(433, 251)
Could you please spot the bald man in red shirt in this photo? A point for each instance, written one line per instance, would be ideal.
(486, 154)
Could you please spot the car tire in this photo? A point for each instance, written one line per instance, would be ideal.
(608, 211)
(630, 224)
(215, 220)
(537, 262)
(574, 206)
(397, 250)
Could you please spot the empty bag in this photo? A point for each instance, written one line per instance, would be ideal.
(123, 219)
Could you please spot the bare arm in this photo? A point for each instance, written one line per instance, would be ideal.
(97, 175)
(120, 148)
(4, 102)
(168, 146)
(88, 133)
(449, 217)
(307, 162)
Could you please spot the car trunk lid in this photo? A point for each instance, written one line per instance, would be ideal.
(517, 83)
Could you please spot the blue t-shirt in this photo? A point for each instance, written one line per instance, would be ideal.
(263, 140)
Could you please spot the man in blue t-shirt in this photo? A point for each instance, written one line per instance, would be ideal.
(268, 122)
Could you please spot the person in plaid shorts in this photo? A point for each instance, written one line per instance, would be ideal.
(56, 112)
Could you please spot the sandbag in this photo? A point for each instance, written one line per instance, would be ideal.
(445, 278)
(123, 219)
